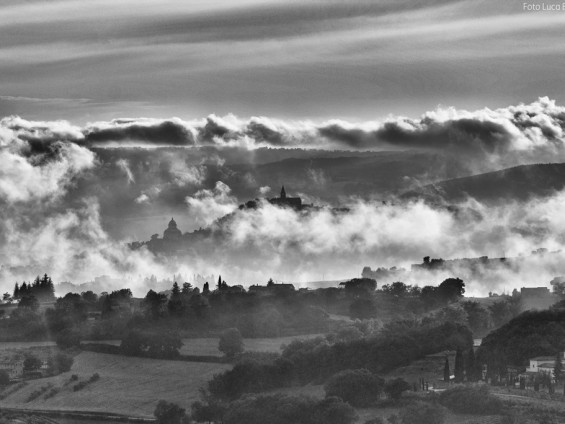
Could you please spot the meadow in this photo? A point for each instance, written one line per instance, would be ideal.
(209, 346)
(127, 385)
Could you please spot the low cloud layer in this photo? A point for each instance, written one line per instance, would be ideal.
(71, 196)
(506, 136)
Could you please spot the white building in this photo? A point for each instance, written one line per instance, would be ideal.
(545, 364)
(14, 368)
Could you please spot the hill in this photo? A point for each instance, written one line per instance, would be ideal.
(519, 183)
(329, 178)
(531, 334)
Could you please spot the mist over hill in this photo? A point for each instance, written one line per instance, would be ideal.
(73, 196)
(520, 183)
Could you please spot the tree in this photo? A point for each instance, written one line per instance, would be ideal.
(133, 344)
(422, 413)
(459, 369)
(362, 308)
(471, 400)
(231, 342)
(446, 371)
(61, 363)
(29, 302)
(7, 298)
(360, 286)
(451, 289)
(163, 345)
(283, 409)
(472, 370)
(478, 317)
(89, 298)
(32, 363)
(68, 338)
(155, 303)
(186, 288)
(4, 378)
(397, 289)
(558, 369)
(357, 387)
(206, 413)
(175, 304)
(169, 413)
(395, 388)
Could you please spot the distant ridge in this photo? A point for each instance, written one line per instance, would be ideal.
(518, 183)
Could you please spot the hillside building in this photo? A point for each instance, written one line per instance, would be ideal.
(545, 363)
(14, 368)
(536, 297)
(284, 200)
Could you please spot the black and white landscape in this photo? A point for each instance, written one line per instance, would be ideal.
(282, 212)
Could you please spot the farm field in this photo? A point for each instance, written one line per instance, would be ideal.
(127, 385)
(25, 345)
(209, 346)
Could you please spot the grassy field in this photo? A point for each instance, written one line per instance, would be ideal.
(127, 385)
(25, 345)
(209, 346)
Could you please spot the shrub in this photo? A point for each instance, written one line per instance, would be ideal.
(80, 386)
(13, 390)
(206, 413)
(36, 393)
(32, 363)
(51, 393)
(282, 409)
(61, 363)
(251, 377)
(231, 342)
(394, 388)
(357, 387)
(169, 413)
(471, 400)
(94, 377)
(4, 378)
(68, 338)
(422, 413)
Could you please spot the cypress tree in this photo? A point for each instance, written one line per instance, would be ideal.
(175, 292)
(459, 369)
(446, 372)
(16, 291)
(470, 366)
(558, 369)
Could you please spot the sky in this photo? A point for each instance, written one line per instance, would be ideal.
(354, 60)
(117, 115)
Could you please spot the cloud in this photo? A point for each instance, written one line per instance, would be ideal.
(63, 197)
(505, 136)
(36, 165)
(172, 132)
(124, 166)
(208, 205)
(299, 246)
(264, 190)
(142, 198)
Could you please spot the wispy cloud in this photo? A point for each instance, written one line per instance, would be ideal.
(295, 59)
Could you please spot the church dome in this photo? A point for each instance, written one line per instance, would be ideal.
(172, 232)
